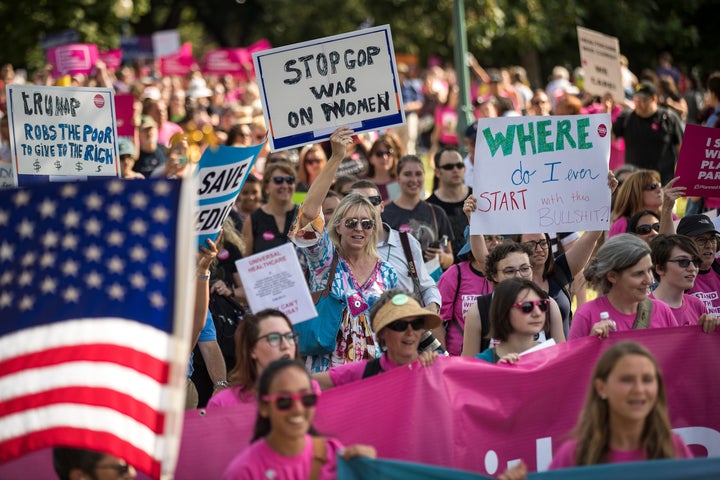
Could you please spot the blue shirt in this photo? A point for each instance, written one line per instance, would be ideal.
(207, 334)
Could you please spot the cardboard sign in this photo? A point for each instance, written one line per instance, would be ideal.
(62, 131)
(542, 174)
(310, 89)
(698, 163)
(78, 58)
(274, 279)
(221, 174)
(600, 57)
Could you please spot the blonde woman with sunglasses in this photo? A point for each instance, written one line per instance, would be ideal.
(350, 239)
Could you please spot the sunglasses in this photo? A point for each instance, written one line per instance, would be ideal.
(121, 470)
(529, 305)
(685, 262)
(375, 200)
(401, 325)
(274, 338)
(312, 161)
(365, 223)
(382, 153)
(533, 244)
(285, 401)
(653, 186)
(290, 180)
(645, 229)
(453, 166)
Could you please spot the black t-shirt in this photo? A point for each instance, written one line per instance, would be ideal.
(650, 143)
(458, 220)
(419, 221)
(149, 161)
(265, 231)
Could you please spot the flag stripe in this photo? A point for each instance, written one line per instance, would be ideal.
(124, 356)
(81, 417)
(99, 397)
(112, 330)
(84, 374)
(79, 438)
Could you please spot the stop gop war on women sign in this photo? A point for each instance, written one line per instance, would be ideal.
(542, 174)
(309, 89)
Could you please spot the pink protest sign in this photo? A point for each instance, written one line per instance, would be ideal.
(222, 61)
(124, 114)
(112, 59)
(698, 164)
(179, 63)
(77, 58)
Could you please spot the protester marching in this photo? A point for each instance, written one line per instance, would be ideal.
(291, 262)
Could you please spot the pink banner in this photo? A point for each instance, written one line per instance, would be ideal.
(179, 63)
(124, 114)
(224, 61)
(471, 415)
(77, 58)
(259, 46)
(112, 59)
(698, 164)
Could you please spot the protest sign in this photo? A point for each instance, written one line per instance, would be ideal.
(178, 63)
(77, 58)
(112, 59)
(221, 174)
(541, 174)
(165, 42)
(223, 61)
(698, 163)
(310, 89)
(273, 279)
(600, 58)
(124, 113)
(62, 131)
(7, 174)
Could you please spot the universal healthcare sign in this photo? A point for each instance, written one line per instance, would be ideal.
(309, 89)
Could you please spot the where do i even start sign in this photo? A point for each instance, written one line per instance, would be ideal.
(542, 174)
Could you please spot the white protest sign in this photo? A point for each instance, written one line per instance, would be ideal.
(62, 131)
(309, 89)
(600, 58)
(221, 174)
(165, 42)
(541, 174)
(274, 279)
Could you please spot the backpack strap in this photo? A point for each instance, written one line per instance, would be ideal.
(644, 311)
(412, 270)
(483, 303)
(454, 320)
(319, 457)
(372, 367)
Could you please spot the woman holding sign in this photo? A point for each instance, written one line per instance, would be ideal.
(360, 276)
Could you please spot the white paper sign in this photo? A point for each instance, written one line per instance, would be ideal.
(62, 131)
(600, 58)
(542, 174)
(165, 42)
(310, 89)
(274, 279)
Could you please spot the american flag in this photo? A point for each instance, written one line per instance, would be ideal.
(95, 318)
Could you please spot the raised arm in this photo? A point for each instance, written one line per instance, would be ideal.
(670, 194)
(473, 332)
(312, 206)
(477, 242)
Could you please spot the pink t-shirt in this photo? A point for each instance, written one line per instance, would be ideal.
(457, 300)
(352, 372)
(690, 310)
(166, 132)
(589, 314)
(707, 289)
(237, 396)
(565, 456)
(259, 461)
(618, 226)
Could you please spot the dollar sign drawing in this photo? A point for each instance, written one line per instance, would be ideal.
(99, 168)
(78, 166)
(36, 165)
(58, 165)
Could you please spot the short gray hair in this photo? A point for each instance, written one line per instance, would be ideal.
(617, 254)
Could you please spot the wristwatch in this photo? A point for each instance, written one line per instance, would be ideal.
(221, 384)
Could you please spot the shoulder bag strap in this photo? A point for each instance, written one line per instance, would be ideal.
(412, 270)
(319, 457)
(454, 320)
(642, 319)
(316, 295)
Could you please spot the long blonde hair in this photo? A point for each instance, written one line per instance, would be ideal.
(350, 201)
(593, 428)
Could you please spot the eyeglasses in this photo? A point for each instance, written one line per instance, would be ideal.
(645, 229)
(290, 180)
(285, 401)
(702, 241)
(121, 470)
(375, 200)
(401, 325)
(453, 166)
(533, 244)
(653, 186)
(275, 338)
(312, 161)
(382, 153)
(529, 305)
(685, 262)
(524, 271)
(365, 223)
